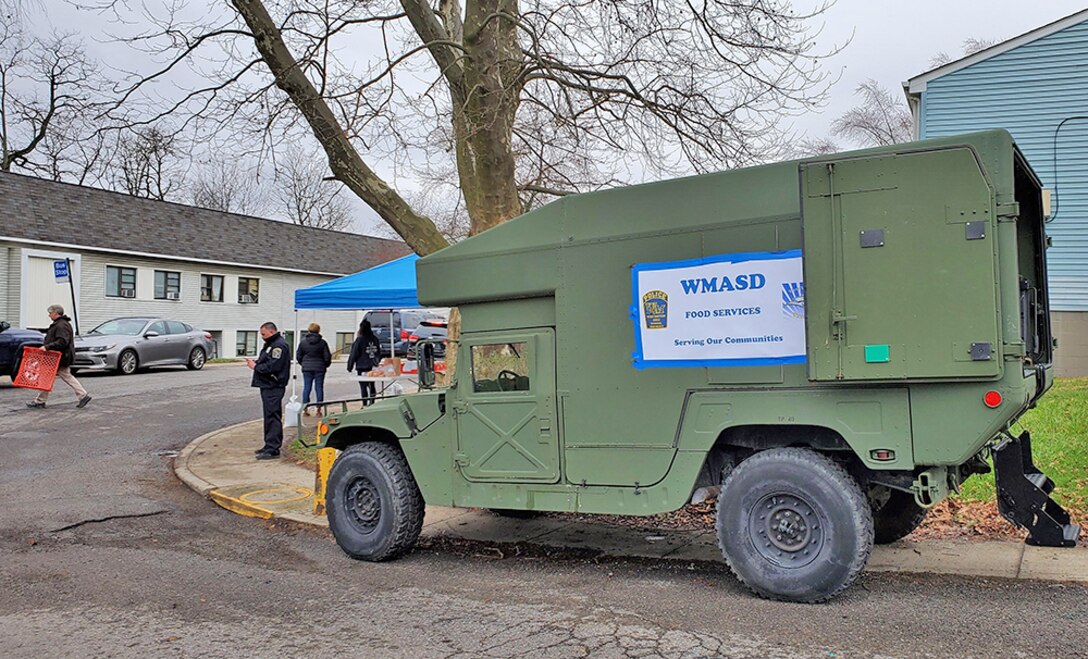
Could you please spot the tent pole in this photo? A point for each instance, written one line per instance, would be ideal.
(294, 380)
(392, 350)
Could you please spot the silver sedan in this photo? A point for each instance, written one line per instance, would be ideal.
(129, 344)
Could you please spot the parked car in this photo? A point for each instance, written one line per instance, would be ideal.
(128, 344)
(400, 323)
(436, 330)
(12, 342)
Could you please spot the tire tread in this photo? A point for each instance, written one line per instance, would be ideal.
(810, 460)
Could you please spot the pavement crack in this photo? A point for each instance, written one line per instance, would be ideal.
(107, 519)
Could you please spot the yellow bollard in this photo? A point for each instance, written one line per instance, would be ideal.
(325, 457)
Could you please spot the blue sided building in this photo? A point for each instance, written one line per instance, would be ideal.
(1036, 87)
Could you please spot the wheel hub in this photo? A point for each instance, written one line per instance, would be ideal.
(364, 503)
(786, 530)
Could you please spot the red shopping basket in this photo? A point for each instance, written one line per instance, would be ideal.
(38, 369)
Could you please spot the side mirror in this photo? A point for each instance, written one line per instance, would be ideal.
(425, 351)
(150, 334)
(4, 326)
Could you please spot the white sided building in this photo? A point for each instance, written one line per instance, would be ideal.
(223, 273)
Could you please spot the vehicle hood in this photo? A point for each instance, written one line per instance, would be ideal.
(23, 334)
(92, 340)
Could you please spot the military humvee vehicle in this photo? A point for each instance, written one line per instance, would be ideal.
(837, 342)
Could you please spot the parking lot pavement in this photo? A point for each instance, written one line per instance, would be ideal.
(106, 553)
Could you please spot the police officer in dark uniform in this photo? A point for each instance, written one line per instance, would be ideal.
(271, 371)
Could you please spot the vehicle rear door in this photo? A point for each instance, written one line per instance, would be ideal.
(505, 408)
(899, 258)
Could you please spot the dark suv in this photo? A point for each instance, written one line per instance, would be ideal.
(12, 342)
(401, 323)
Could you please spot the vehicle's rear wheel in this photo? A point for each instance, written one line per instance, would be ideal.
(895, 514)
(374, 506)
(197, 358)
(127, 362)
(793, 525)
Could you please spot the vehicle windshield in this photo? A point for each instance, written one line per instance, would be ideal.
(123, 326)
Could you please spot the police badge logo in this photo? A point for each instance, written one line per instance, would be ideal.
(276, 352)
(655, 308)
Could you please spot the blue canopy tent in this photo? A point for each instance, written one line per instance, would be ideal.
(390, 285)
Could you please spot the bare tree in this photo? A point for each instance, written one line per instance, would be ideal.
(879, 120)
(228, 186)
(531, 99)
(145, 164)
(970, 46)
(46, 87)
(307, 198)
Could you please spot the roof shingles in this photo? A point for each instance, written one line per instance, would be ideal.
(40, 210)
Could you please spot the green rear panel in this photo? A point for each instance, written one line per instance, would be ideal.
(899, 267)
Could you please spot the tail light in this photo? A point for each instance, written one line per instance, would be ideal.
(403, 334)
(413, 338)
(208, 335)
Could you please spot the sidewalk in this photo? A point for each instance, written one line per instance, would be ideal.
(220, 466)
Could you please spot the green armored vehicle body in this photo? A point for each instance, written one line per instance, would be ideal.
(836, 343)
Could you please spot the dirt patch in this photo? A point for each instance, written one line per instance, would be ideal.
(950, 519)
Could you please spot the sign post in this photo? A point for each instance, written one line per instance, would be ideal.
(62, 272)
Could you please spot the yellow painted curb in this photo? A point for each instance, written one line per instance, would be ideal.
(236, 505)
(263, 500)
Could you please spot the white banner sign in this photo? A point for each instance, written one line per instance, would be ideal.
(727, 310)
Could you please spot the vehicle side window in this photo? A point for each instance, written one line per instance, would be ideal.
(176, 327)
(157, 326)
(500, 367)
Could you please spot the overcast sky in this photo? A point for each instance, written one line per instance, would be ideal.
(889, 42)
(894, 41)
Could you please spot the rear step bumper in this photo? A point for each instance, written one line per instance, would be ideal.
(1023, 495)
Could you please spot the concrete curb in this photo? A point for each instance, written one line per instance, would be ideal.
(181, 462)
(280, 490)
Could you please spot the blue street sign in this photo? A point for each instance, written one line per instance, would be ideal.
(60, 271)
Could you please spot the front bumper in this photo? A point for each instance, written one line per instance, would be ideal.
(95, 361)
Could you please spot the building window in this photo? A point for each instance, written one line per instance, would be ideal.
(343, 342)
(120, 282)
(211, 288)
(247, 344)
(167, 285)
(249, 288)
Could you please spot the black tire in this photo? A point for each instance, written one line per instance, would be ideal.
(374, 506)
(515, 514)
(128, 362)
(896, 517)
(793, 525)
(196, 360)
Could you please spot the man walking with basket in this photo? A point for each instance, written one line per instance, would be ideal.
(59, 337)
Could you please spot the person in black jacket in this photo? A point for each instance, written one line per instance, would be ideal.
(314, 356)
(271, 371)
(365, 351)
(59, 337)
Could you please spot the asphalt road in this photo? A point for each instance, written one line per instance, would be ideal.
(104, 553)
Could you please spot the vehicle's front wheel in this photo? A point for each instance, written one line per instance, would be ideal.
(374, 506)
(793, 525)
(197, 358)
(127, 362)
(895, 514)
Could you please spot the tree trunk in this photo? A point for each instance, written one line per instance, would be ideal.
(483, 121)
